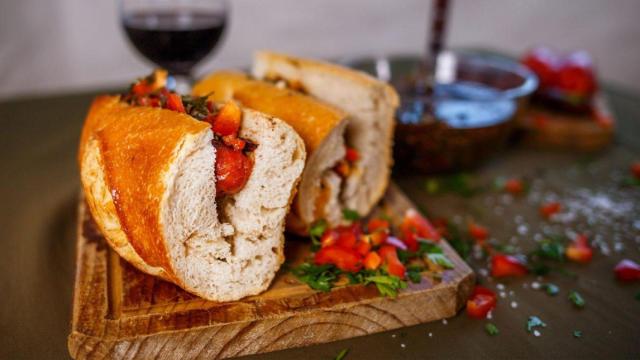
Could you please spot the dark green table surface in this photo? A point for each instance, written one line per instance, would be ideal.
(39, 190)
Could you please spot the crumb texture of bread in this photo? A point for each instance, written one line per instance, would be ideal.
(148, 177)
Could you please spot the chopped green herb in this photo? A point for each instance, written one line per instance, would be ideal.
(414, 273)
(577, 299)
(630, 181)
(577, 334)
(551, 289)
(317, 229)
(460, 184)
(552, 249)
(318, 277)
(491, 329)
(342, 354)
(350, 215)
(441, 259)
(388, 285)
(534, 322)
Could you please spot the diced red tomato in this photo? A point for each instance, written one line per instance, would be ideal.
(235, 142)
(481, 301)
(330, 237)
(363, 246)
(377, 224)
(411, 240)
(549, 209)
(507, 265)
(233, 169)
(627, 270)
(141, 88)
(635, 169)
(210, 106)
(352, 155)
(372, 261)
(174, 102)
(342, 168)
(442, 226)
(416, 224)
(389, 256)
(544, 62)
(514, 186)
(344, 259)
(579, 250)
(576, 74)
(348, 235)
(379, 237)
(478, 232)
(227, 120)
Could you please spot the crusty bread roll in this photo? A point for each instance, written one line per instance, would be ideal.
(299, 92)
(149, 181)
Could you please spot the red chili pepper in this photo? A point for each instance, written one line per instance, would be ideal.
(174, 102)
(415, 226)
(372, 261)
(481, 301)
(507, 265)
(227, 120)
(352, 155)
(627, 270)
(390, 256)
(344, 259)
(514, 186)
(579, 250)
(549, 209)
(478, 232)
(635, 169)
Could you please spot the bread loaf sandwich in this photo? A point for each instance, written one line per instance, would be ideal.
(345, 117)
(200, 208)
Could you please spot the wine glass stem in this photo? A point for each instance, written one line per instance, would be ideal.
(183, 83)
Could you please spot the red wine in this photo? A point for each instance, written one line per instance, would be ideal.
(176, 41)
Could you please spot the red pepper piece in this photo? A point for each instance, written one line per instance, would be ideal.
(344, 259)
(478, 232)
(233, 169)
(352, 155)
(579, 250)
(481, 301)
(627, 270)
(514, 186)
(372, 261)
(174, 102)
(389, 255)
(227, 120)
(415, 225)
(507, 265)
(549, 209)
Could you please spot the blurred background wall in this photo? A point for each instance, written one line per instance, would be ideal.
(66, 45)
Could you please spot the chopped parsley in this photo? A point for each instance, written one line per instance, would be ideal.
(577, 334)
(388, 285)
(350, 215)
(577, 299)
(551, 248)
(534, 322)
(441, 259)
(341, 355)
(414, 273)
(551, 289)
(491, 329)
(317, 229)
(318, 277)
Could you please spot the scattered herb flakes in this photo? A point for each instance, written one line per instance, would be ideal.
(440, 259)
(552, 249)
(460, 184)
(414, 273)
(577, 334)
(577, 299)
(551, 289)
(317, 229)
(318, 277)
(534, 322)
(491, 329)
(388, 285)
(342, 354)
(350, 215)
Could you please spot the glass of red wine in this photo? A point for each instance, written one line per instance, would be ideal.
(174, 34)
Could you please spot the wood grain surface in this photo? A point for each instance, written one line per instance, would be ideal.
(119, 312)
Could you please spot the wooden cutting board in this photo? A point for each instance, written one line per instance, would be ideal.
(119, 312)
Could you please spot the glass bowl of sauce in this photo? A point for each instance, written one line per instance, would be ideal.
(467, 117)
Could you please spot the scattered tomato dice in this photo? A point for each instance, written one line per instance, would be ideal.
(627, 270)
(330, 237)
(544, 63)
(414, 223)
(576, 74)
(363, 246)
(478, 232)
(377, 224)
(507, 265)
(348, 235)
(579, 250)
(481, 302)
(378, 237)
(372, 261)
(549, 209)
(235, 142)
(514, 186)
(233, 169)
(227, 120)
(344, 259)
(174, 102)
(390, 256)
(635, 169)
(352, 155)
(141, 88)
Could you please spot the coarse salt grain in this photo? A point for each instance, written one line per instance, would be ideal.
(514, 304)
(403, 346)
(430, 334)
(444, 322)
(500, 286)
(535, 285)
(536, 333)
